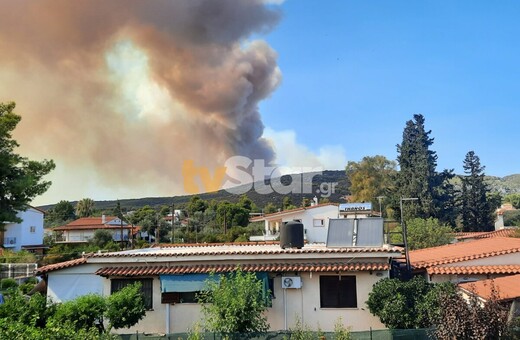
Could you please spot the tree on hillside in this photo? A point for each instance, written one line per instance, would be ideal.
(196, 204)
(417, 176)
(60, 214)
(370, 178)
(476, 212)
(270, 208)
(21, 179)
(85, 207)
(514, 199)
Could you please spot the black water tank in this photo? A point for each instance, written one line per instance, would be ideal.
(291, 235)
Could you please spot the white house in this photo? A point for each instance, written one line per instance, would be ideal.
(83, 229)
(480, 259)
(317, 284)
(314, 218)
(27, 234)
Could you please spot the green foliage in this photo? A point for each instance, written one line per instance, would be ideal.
(340, 331)
(196, 204)
(85, 311)
(85, 207)
(301, 331)
(235, 304)
(417, 177)
(60, 214)
(463, 319)
(403, 304)
(270, 208)
(424, 233)
(476, 211)
(22, 256)
(514, 199)
(20, 178)
(101, 238)
(8, 283)
(126, 307)
(370, 178)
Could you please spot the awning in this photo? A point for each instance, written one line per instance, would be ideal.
(185, 283)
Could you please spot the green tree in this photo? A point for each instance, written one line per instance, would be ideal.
(417, 177)
(85, 207)
(405, 304)
(60, 214)
(514, 199)
(101, 238)
(126, 307)
(476, 212)
(85, 312)
(235, 304)
(370, 178)
(287, 203)
(270, 208)
(21, 179)
(196, 204)
(424, 233)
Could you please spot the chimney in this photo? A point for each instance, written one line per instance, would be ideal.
(103, 219)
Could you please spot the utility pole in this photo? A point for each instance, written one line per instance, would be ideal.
(172, 238)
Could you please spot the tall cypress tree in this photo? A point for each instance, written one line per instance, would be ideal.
(476, 211)
(418, 177)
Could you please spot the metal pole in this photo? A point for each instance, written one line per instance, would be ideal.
(172, 238)
(405, 236)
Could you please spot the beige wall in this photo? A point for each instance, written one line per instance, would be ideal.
(301, 303)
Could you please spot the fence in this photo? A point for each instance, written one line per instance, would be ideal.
(17, 270)
(384, 334)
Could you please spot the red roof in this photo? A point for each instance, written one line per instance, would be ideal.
(61, 265)
(89, 223)
(473, 270)
(464, 251)
(507, 287)
(284, 212)
(224, 268)
(507, 232)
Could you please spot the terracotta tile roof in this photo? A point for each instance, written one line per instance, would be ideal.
(472, 270)
(289, 211)
(91, 220)
(89, 223)
(507, 232)
(223, 268)
(464, 251)
(507, 287)
(248, 248)
(61, 265)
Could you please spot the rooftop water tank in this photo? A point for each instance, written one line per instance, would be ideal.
(291, 235)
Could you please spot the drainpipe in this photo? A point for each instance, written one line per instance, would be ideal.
(167, 318)
(285, 308)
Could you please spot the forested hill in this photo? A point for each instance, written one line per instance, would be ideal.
(502, 185)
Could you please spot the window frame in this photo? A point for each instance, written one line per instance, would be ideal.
(146, 288)
(340, 293)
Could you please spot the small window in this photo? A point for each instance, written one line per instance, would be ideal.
(32, 229)
(146, 289)
(319, 222)
(180, 297)
(338, 292)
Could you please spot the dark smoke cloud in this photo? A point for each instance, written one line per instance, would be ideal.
(75, 109)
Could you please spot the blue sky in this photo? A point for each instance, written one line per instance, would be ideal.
(355, 71)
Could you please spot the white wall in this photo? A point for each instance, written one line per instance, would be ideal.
(69, 283)
(22, 231)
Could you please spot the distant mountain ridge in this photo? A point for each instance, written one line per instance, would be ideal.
(503, 185)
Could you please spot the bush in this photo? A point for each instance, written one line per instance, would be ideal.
(85, 312)
(126, 307)
(6, 284)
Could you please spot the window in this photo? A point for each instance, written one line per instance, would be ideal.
(338, 292)
(319, 222)
(32, 229)
(180, 297)
(146, 289)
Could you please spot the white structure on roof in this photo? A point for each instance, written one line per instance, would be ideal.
(327, 283)
(314, 218)
(26, 234)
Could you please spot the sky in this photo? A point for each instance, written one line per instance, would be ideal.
(123, 95)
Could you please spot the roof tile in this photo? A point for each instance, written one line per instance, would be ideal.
(473, 270)
(507, 287)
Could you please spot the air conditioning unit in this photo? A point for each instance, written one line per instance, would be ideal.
(291, 282)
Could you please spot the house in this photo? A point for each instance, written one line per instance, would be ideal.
(505, 289)
(468, 261)
(27, 234)
(83, 229)
(317, 284)
(314, 218)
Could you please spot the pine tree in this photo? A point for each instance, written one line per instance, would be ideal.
(418, 178)
(476, 211)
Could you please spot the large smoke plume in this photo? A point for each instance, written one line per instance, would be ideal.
(122, 92)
